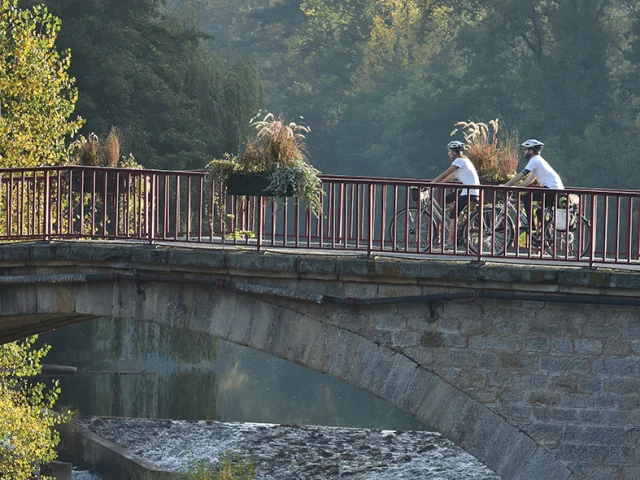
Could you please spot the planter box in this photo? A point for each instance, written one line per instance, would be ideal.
(252, 185)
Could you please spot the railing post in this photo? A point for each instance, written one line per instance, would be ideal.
(260, 222)
(371, 220)
(594, 221)
(480, 222)
(47, 207)
(150, 209)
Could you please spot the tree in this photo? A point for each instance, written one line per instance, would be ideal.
(37, 95)
(27, 436)
(156, 76)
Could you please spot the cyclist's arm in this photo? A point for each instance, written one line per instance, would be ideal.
(446, 176)
(529, 180)
(517, 178)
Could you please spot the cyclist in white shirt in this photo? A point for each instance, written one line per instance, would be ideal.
(462, 169)
(537, 167)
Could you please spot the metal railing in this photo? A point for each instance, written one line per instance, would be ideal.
(372, 215)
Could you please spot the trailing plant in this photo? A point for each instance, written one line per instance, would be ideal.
(495, 157)
(277, 151)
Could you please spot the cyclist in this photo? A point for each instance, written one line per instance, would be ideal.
(537, 167)
(462, 169)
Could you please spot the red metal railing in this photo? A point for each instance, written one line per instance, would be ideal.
(372, 215)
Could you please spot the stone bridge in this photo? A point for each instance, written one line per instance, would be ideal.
(534, 371)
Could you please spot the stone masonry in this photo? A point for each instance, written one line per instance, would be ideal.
(534, 390)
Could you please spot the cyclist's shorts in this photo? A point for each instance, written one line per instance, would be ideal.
(463, 201)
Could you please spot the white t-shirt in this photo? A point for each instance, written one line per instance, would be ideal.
(546, 175)
(467, 174)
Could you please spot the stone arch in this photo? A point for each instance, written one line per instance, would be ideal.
(252, 321)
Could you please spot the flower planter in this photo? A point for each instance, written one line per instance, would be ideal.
(252, 185)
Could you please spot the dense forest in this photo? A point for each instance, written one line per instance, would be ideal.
(380, 82)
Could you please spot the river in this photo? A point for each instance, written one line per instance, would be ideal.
(140, 370)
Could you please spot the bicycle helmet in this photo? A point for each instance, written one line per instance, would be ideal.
(533, 143)
(455, 145)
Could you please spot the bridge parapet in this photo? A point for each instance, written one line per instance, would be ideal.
(537, 383)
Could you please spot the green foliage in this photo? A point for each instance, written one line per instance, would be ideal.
(26, 434)
(383, 80)
(153, 73)
(37, 94)
(277, 150)
(230, 466)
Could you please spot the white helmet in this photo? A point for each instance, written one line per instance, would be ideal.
(455, 145)
(532, 143)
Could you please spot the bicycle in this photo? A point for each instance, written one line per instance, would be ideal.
(565, 230)
(430, 229)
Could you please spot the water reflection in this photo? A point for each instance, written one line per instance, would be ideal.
(170, 373)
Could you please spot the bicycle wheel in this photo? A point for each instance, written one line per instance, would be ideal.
(570, 244)
(493, 232)
(404, 232)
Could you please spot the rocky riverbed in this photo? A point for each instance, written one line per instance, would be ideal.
(288, 452)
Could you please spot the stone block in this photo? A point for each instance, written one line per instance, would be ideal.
(445, 418)
(317, 264)
(423, 356)
(401, 374)
(537, 344)
(590, 384)
(519, 361)
(583, 453)
(253, 261)
(518, 414)
(564, 364)
(617, 347)
(469, 380)
(242, 320)
(588, 347)
(475, 428)
(436, 399)
(586, 278)
(618, 367)
(561, 346)
(542, 465)
(318, 358)
(97, 299)
(203, 308)
(416, 389)
(589, 401)
(282, 331)
(545, 433)
(601, 331)
(454, 357)
(593, 435)
(497, 452)
(600, 417)
(303, 340)
(223, 315)
(174, 305)
(343, 350)
(622, 454)
(211, 258)
(496, 343)
(487, 361)
(622, 386)
(525, 381)
(629, 402)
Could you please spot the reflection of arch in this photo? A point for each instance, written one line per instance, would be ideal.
(280, 331)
